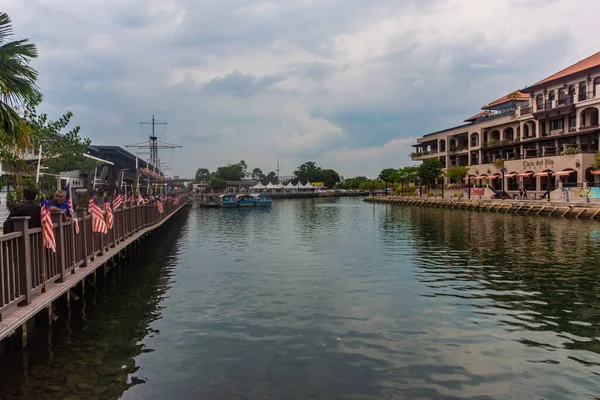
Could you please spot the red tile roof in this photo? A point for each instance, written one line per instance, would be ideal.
(502, 100)
(587, 63)
(481, 114)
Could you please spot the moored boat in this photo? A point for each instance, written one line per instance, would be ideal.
(228, 200)
(263, 200)
(246, 200)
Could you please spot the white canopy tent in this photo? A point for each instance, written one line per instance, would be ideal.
(259, 186)
(307, 185)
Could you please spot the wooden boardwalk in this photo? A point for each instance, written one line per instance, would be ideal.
(576, 208)
(31, 278)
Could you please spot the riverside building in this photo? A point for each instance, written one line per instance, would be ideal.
(538, 138)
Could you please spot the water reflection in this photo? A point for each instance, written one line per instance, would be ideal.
(336, 298)
(534, 278)
(91, 349)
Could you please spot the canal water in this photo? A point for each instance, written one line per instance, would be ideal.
(332, 299)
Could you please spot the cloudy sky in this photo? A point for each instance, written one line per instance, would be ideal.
(349, 84)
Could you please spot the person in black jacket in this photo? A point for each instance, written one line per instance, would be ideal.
(27, 208)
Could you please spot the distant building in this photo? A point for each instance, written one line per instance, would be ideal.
(550, 127)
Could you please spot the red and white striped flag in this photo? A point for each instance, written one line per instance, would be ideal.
(98, 223)
(70, 205)
(47, 229)
(159, 204)
(109, 214)
(118, 200)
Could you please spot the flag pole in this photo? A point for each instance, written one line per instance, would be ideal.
(44, 266)
(72, 228)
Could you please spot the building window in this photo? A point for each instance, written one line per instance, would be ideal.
(572, 121)
(561, 96)
(596, 83)
(582, 91)
(539, 102)
(557, 124)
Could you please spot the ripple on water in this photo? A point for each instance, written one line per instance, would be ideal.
(336, 298)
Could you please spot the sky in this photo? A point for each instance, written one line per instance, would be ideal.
(349, 84)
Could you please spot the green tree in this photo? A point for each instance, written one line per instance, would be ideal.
(17, 84)
(61, 151)
(232, 172)
(429, 170)
(202, 175)
(218, 183)
(457, 173)
(408, 174)
(329, 178)
(597, 162)
(308, 172)
(389, 175)
(271, 177)
(257, 173)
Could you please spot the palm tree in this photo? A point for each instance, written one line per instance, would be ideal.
(17, 84)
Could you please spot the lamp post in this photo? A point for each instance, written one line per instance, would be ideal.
(503, 170)
(469, 186)
(549, 177)
(442, 187)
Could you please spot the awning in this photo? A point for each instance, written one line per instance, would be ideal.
(526, 174)
(510, 175)
(563, 173)
(596, 172)
(481, 177)
(494, 176)
(542, 173)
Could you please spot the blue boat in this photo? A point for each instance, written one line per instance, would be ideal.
(246, 200)
(263, 200)
(228, 200)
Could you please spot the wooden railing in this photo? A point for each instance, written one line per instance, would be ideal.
(27, 269)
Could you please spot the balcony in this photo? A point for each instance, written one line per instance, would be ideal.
(422, 155)
(526, 110)
(458, 149)
(498, 143)
(558, 131)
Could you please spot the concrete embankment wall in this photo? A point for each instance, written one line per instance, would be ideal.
(576, 208)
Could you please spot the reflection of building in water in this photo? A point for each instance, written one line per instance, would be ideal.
(550, 127)
(545, 268)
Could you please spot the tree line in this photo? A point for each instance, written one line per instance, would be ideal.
(306, 172)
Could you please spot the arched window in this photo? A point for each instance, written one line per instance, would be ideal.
(582, 91)
(550, 101)
(561, 96)
(596, 83)
(539, 101)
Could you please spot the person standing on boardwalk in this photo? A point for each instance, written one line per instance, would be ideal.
(27, 208)
(59, 204)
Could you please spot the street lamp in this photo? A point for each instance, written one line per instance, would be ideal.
(549, 177)
(469, 186)
(503, 170)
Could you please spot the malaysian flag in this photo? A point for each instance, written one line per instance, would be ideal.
(98, 223)
(109, 213)
(118, 199)
(159, 204)
(70, 205)
(47, 228)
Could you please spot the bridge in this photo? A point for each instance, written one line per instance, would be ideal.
(32, 277)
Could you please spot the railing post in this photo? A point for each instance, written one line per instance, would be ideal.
(85, 247)
(57, 217)
(21, 224)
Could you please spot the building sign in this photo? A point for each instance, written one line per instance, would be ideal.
(477, 191)
(76, 182)
(541, 163)
(592, 193)
(318, 184)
